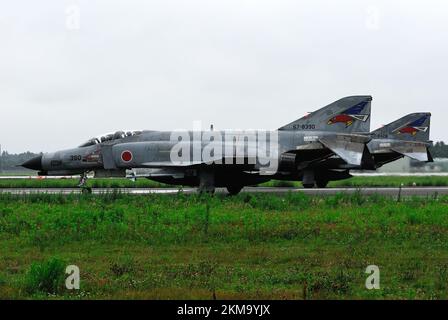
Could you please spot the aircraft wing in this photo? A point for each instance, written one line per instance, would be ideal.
(169, 164)
(155, 172)
(350, 148)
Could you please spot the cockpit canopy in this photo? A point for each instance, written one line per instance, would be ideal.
(109, 137)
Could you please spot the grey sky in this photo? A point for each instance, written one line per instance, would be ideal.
(161, 64)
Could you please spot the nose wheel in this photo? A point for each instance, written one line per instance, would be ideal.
(86, 190)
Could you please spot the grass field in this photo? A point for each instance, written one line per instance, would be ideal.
(73, 183)
(253, 246)
(376, 181)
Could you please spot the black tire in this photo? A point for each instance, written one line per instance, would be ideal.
(308, 185)
(210, 191)
(321, 184)
(234, 190)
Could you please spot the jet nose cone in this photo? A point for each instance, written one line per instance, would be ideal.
(34, 163)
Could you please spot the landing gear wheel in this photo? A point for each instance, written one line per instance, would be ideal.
(206, 182)
(234, 190)
(321, 184)
(209, 190)
(308, 185)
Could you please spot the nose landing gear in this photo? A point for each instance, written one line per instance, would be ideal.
(83, 180)
(83, 184)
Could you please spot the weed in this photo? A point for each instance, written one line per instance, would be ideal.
(45, 277)
(125, 265)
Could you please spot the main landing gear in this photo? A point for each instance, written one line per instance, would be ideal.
(206, 182)
(310, 180)
(308, 185)
(322, 184)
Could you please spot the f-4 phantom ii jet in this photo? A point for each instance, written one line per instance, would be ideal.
(406, 137)
(231, 159)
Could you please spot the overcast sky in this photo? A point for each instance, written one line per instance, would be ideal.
(70, 70)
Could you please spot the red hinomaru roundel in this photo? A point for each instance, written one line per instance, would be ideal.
(126, 156)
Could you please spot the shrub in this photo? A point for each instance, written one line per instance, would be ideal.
(338, 282)
(442, 276)
(46, 277)
(2, 280)
(125, 265)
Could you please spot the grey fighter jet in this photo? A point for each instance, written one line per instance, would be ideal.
(406, 137)
(231, 159)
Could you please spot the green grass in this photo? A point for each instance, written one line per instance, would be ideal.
(253, 246)
(73, 183)
(381, 181)
(17, 173)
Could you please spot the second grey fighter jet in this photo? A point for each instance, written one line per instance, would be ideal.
(406, 137)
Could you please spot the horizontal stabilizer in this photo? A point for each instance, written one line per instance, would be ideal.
(417, 152)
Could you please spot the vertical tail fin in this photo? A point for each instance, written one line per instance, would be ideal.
(347, 115)
(413, 127)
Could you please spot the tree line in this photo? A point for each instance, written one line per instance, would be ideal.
(439, 150)
(10, 162)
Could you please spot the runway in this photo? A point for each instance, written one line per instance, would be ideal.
(392, 192)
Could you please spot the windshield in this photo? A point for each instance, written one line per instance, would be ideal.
(90, 142)
(109, 137)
